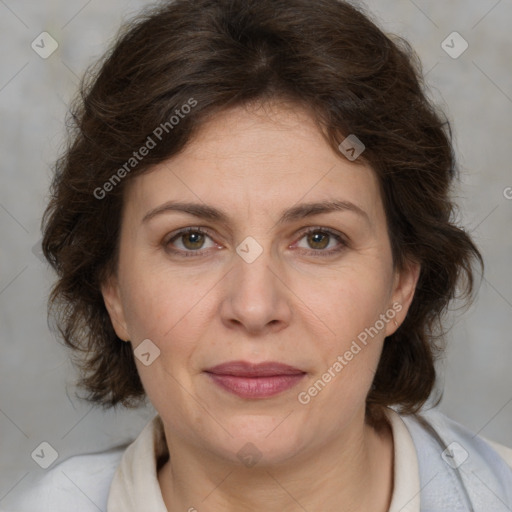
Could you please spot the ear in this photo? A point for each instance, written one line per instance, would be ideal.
(404, 286)
(113, 303)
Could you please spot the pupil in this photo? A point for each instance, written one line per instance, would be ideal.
(317, 239)
(194, 238)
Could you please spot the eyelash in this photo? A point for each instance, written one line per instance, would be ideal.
(312, 252)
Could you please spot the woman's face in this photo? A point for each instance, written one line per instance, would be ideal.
(253, 285)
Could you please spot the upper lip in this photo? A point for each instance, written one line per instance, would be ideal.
(246, 369)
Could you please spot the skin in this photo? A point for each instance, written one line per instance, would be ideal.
(294, 304)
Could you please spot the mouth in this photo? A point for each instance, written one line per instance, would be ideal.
(248, 380)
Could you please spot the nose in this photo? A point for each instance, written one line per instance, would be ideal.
(256, 297)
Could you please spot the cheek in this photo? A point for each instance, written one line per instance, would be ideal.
(158, 303)
(350, 334)
(349, 299)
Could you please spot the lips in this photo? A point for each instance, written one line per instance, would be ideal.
(245, 369)
(255, 381)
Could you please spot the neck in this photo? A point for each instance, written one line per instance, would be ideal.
(352, 472)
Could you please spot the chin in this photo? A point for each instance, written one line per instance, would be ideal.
(263, 440)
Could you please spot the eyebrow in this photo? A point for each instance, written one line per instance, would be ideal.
(294, 213)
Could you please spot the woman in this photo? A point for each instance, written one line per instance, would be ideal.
(252, 228)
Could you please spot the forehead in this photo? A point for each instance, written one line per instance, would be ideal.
(257, 158)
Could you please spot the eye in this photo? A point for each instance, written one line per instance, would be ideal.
(321, 238)
(191, 239)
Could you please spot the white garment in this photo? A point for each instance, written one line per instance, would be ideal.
(125, 479)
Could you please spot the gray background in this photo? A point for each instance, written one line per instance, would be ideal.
(36, 379)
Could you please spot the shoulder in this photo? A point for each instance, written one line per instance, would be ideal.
(470, 437)
(503, 451)
(80, 483)
(453, 431)
(462, 465)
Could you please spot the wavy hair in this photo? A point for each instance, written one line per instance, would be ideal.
(324, 55)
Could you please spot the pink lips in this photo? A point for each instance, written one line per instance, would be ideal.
(255, 380)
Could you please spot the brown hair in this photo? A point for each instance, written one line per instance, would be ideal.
(323, 55)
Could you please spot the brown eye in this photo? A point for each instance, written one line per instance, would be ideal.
(193, 240)
(189, 242)
(318, 240)
(323, 242)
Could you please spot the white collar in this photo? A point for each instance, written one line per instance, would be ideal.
(135, 484)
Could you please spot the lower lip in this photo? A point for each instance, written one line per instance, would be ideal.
(256, 387)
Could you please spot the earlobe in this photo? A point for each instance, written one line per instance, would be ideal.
(112, 299)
